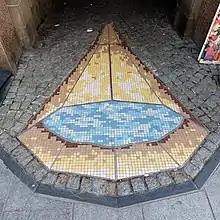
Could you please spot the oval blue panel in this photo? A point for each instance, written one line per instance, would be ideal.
(113, 123)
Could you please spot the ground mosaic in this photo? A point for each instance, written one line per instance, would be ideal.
(112, 134)
(70, 132)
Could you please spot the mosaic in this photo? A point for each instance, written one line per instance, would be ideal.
(113, 123)
(112, 118)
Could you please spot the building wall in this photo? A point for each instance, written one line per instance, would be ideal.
(10, 49)
(206, 14)
(194, 17)
(20, 19)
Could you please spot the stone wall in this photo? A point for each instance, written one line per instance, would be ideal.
(20, 20)
(187, 14)
(10, 48)
(26, 16)
(194, 17)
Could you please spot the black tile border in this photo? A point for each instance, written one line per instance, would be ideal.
(208, 169)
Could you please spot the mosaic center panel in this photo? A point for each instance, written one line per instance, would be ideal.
(113, 123)
(112, 118)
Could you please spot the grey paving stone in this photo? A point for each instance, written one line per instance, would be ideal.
(18, 127)
(22, 155)
(55, 214)
(61, 180)
(138, 185)
(104, 187)
(164, 179)
(179, 176)
(212, 187)
(22, 198)
(191, 170)
(192, 206)
(10, 144)
(6, 180)
(130, 213)
(124, 188)
(210, 146)
(152, 182)
(73, 182)
(94, 212)
(214, 137)
(201, 157)
(86, 185)
(15, 106)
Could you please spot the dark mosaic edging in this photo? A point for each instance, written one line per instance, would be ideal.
(118, 193)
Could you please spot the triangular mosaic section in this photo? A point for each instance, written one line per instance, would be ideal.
(113, 82)
(94, 83)
(128, 84)
(109, 36)
(60, 95)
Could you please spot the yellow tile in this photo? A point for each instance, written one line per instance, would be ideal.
(94, 84)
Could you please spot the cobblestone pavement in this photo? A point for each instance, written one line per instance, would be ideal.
(56, 52)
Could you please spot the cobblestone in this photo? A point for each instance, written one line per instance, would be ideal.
(214, 138)
(104, 187)
(179, 176)
(15, 106)
(191, 170)
(50, 178)
(124, 188)
(10, 144)
(73, 182)
(61, 180)
(22, 155)
(152, 183)
(138, 184)
(164, 179)
(18, 127)
(201, 157)
(86, 185)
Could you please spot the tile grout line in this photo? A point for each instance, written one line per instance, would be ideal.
(115, 164)
(168, 154)
(210, 205)
(110, 64)
(142, 211)
(73, 212)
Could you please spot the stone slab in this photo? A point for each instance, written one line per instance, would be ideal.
(188, 207)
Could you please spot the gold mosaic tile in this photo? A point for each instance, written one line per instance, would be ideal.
(38, 141)
(142, 159)
(62, 92)
(87, 160)
(184, 141)
(94, 83)
(158, 89)
(128, 84)
(109, 36)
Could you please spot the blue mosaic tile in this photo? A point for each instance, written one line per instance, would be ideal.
(113, 123)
